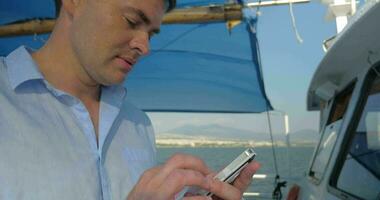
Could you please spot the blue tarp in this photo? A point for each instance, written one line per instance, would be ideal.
(191, 68)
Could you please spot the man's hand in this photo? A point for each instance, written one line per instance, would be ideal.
(235, 191)
(164, 182)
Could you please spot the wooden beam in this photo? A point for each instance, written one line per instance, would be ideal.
(177, 16)
(204, 14)
(27, 28)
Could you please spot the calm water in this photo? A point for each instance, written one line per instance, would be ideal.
(217, 158)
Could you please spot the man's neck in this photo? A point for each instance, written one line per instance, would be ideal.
(58, 64)
(59, 67)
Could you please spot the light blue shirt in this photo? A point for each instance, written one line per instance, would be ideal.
(48, 147)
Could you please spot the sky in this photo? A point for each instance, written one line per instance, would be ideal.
(287, 70)
(288, 67)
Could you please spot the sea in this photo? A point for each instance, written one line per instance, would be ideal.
(290, 164)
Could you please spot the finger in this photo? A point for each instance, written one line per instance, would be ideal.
(197, 198)
(149, 174)
(224, 190)
(186, 161)
(182, 161)
(144, 182)
(180, 178)
(245, 177)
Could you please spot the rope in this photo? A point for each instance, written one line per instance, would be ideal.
(298, 36)
(254, 29)
(277, 194)
(272, 141)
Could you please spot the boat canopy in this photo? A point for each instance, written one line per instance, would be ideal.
(198, 67)
(354, 50)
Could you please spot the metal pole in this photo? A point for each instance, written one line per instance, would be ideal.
(275, 3)
(286, 122)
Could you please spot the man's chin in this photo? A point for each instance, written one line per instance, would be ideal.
(118, 81)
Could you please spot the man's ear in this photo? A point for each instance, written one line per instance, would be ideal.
(70, 6)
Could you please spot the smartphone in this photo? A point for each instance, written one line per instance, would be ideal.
(229, 173)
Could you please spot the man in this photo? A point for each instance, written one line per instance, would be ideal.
(67, 128)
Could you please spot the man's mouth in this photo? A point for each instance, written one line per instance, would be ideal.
(126, 63)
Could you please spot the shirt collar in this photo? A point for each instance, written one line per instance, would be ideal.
(21, 67)
(113, 95)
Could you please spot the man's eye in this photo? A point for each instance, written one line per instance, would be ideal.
(152, 35)
(131, 23)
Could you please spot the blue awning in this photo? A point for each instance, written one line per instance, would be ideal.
(191, 68)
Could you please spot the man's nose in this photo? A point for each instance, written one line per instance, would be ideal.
(140, 43)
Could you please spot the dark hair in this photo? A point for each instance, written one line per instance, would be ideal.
(169, 5)
(57, 7)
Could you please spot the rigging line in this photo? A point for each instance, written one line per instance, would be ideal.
(298, 36)
(277, 193)
(277, 188)
(272, 141)
(217, 56)
(178, 37)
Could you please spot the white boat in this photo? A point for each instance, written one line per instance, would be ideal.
(346, 90)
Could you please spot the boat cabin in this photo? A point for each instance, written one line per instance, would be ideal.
(346, 90)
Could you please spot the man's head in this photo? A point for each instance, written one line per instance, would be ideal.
(170, 5)
(107, 37)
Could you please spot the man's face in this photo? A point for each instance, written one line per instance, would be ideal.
(108, 36)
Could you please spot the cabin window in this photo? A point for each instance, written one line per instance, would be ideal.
(329, 134)
(323, 109)
(340, 105)
(359, 175)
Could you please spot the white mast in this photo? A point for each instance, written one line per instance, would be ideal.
(340, 10)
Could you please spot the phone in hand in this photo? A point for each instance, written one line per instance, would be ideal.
(228, 174)
(232, 170)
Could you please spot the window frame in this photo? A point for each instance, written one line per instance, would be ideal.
(364, 92)
(331, 106)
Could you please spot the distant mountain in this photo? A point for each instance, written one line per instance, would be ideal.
(214, 131)
(304, 135)
(218, 132)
